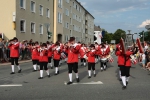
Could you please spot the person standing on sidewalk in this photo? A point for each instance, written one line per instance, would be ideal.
(14, 54)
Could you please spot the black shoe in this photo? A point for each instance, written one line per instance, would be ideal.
(69, 83)
(124, 87)
(89, 77)
(101, 70)
(40, 78)
(77, 79)
(126, 82)
(19, 71)
(94, 75)
(120, 79)
(12, 73)
(51, 67)
(48, 75)
(34, 70)
(57, 72)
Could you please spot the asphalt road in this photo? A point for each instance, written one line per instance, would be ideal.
(53, 88)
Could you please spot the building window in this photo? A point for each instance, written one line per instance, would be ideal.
(59, 17)
(60, 3)
(32, 27)
(67, 25)
(32, 6)
(67, 12)
(22, 25)
(41, 10)
(41, 29)
(48, 13)
(22, 3)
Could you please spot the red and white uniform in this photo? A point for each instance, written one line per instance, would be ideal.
(91, 56)
(57, 53)
(50, 52)
(73, 52)
(97, 48)
(43, 55)
(82, 52)
(103, 53)
(14, 50)
(35, 53)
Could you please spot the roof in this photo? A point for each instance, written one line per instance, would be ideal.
(84, 8)
(97, 28)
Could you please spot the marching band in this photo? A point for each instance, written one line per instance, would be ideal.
(71, 51)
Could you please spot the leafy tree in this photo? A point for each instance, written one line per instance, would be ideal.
(118, 34)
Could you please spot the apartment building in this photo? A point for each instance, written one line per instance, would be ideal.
(26, 19)
(77, 21)
(31, 19)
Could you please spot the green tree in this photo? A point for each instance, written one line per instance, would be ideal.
(118, 34)
(107, 37)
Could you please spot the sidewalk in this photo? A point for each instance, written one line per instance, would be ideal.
(8, 63)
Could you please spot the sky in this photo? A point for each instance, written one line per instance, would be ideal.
(111, 15)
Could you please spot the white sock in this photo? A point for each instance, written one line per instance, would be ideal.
(47, 72)
(89, 71)
(70, 77)
(38, 66)
(84, 63)
(101, 68)
(34, 67)
(51, 65)
(41, 73)
(66, 59)
(124, 80)
(60, 62)
(18, 67)
(13, 68)
(77, 75)
(104, 66)
(127, 79)
(120, 74)
(94, 72)
(56, 69)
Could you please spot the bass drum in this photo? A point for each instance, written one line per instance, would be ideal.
(104, 60)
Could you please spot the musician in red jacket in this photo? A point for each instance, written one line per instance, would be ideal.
(103, 53)
(14, 54)
(82, 53)
(91, 60)
(50, 53)
(97, 48)
(56, 56)
(35, 56)
(73, 51)
(43, 60)
(120, 60)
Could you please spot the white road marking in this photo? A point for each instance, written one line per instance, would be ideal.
(11, 85)
(87, 83)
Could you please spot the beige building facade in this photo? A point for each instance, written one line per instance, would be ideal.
(30, 19)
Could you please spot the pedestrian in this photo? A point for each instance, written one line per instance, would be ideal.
(14, 54)
(1, 50)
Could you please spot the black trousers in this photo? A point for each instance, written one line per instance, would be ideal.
(14, 59)
(56, 63)
(73, 66)
(83, 60)
(43, 65)
(103, 63)
(91, 65)
(49, 59)
(35, 62)
(125, 71)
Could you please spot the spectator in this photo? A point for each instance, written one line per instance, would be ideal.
(1, 50)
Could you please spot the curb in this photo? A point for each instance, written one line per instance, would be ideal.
(20, 62)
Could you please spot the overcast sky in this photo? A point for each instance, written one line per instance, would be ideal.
(124, 14)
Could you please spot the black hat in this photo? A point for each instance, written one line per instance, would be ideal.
(15, 38)
(72, 39)
(44, 45)
(92, 45)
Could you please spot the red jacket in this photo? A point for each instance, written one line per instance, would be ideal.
(121, 58)
(35, 54)
(50, 52)
(14, 50)
(128, 61)
(82, 52)
(43, 56)
(57, 54)
(91, 56)
(73, 53)
(97, 48)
